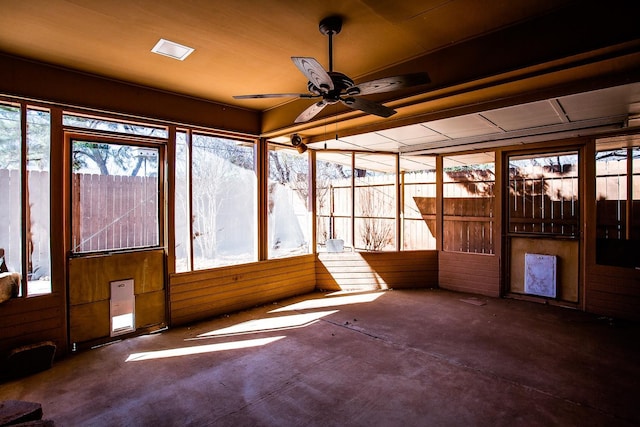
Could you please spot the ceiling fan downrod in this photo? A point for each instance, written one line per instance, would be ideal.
(329, 26)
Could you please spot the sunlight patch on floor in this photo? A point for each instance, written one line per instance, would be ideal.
(200, 349)
(269, 324)
(330, 302)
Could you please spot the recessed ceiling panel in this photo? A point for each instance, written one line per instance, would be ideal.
(366, 139)
(463, 126)
(468, 159)
(390, 146)
(608, 102)
(525, 116)
(334, 144)
(404, 133)
(334, 157)
(376, 162)
(416, 163)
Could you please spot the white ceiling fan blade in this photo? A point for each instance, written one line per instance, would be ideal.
(314, 72)
(388, 84)
(310, 112)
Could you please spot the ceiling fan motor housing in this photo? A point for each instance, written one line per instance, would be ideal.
(342, 84)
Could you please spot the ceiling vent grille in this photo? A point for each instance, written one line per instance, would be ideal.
(172, 49)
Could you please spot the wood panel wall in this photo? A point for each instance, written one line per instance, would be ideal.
(466, 272)
(376, 270)
(26, 321)
(613, 291)
(89, 292)
(24, 78)
(567, 269)
(203, 294)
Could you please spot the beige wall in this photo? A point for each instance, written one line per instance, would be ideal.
(567, 270)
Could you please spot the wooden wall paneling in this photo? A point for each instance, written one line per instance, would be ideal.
(89, 291)
(89, 321)
(199, 295)
(150, 309)
(21, 77)
(376, 270)
(466, 272)
(613, 291)
(567, 268)
(30, 320)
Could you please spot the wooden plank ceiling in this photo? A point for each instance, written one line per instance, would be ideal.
(475, 52)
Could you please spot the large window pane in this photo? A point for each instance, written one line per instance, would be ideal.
(375, 202)
(223, 201)
(38, 181)
(34, 245)
(419, 195)
(543, 194)
(618, 201)
(288, 212)
(333, 198)
(10, 177)
(182, 228)
(468, 203)
(115, 196)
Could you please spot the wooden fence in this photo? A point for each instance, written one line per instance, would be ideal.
(468, 222)
(114, 212)
(533, 210)
(109, 212)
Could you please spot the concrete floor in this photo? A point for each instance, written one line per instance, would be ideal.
(410, 358)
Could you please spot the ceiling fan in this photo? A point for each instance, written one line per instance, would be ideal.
(334, 87)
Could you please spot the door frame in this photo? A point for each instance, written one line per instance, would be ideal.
(575, 145)
(109, 257)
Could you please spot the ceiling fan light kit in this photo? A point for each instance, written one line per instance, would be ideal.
(334, 87)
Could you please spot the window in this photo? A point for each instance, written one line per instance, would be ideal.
(468, 203)
(419, 196)
(333, 198)
(375, 202)
(24, 231)
(220, 211)
(115, 190)
(618, 201)
(543, 194)
(100, 123)
(288, 210)
(182, 224)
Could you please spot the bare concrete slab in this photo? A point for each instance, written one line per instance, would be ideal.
(410, 357)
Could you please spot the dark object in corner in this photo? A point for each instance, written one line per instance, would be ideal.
(18, 411)
(29, 359)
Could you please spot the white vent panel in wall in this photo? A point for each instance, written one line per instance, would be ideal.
(540, 275)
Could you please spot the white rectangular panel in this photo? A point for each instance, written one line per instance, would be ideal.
(540, 275)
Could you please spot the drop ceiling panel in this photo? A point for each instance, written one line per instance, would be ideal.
(416, 163)
(366, 140)
(435, 138)
(334, 157)
(608, 102)
(334, 144)
(376, 162)
(463, 126)
(390, 146)
(468, 159)
(525, 116)
(405, 133)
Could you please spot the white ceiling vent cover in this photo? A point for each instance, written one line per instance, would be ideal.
(172, 49)
(540, 275)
